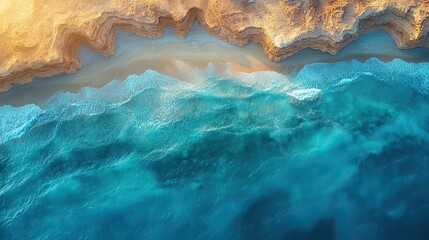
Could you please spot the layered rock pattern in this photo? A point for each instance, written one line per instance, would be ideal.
(41, 37)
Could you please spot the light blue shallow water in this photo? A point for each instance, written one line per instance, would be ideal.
(338, 151)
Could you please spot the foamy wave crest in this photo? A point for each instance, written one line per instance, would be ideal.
(322, 75)
(228, 158)
(15, 121)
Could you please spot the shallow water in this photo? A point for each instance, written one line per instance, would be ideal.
(195, 58)
(334, 151)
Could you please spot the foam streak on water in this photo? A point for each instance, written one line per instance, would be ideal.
(338, 151)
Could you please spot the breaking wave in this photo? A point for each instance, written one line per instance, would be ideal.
(337, 151)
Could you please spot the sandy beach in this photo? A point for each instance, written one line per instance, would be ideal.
(193, 59)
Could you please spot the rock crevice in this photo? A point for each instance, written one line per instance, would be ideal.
(41, 37)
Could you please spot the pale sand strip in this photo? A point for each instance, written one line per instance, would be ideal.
(181, 58)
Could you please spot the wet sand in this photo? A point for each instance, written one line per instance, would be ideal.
(193, 59)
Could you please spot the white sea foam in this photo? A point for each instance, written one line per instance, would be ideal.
(323, 75)
(308, 84)
(153, 149)
(14, 121)
(305, 94)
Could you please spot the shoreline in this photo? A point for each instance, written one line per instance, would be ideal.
(188, 59)
(49, 45)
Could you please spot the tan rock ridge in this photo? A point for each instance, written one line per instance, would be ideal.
(41, 37)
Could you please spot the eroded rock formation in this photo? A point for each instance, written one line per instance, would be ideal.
(41, 37)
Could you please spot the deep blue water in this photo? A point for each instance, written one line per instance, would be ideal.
(336, 151)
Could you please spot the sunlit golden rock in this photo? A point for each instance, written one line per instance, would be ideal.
(41, 37)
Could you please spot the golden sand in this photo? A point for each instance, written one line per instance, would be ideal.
(193, 59)
(42, 37)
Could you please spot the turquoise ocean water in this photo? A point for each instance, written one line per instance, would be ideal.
(334, 151)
